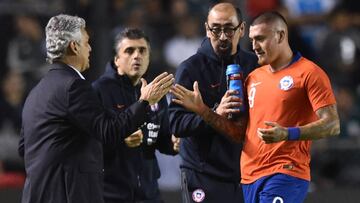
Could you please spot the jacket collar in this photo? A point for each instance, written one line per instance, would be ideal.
(207, 49)
(111, 72)
(64, 66)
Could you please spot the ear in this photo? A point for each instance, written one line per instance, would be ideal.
(207, 31)
(242, 29)
(73, 47)
(116, 60)
(281, 36)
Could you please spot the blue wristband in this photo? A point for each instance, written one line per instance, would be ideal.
(293, 133)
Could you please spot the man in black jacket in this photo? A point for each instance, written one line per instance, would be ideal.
(130, 167)
(210, 162)
(64, 123)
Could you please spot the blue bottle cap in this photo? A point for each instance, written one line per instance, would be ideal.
(233, 69)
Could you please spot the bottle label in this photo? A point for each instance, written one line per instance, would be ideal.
(235, 77)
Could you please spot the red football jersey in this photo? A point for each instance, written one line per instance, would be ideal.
(289, 97)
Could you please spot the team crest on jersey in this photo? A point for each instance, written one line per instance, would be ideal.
(198, 195)
(286, 83)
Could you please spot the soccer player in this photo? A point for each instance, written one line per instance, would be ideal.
(290, 102)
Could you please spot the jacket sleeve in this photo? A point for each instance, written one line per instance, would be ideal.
(184, 123)
(86, 111)
(102, 93)
(164, 143)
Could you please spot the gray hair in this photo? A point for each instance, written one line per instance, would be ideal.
(60, 31)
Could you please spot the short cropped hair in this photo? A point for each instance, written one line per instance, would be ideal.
(60, 31)
(130, 33)
(269, 17)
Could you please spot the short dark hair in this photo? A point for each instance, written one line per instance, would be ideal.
(237, 9)
(269, 17)
(129, 33)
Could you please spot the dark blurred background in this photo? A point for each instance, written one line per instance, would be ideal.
(325, 31)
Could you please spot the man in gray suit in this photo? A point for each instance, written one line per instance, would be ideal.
(64, 124)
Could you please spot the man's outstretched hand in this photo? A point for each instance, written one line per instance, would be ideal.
(155, 90)
(191, 100)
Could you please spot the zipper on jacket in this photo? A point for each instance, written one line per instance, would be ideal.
(139, 182)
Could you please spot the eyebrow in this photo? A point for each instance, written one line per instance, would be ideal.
(136, 47)
(133, 48)
(258, 37)
(218, 24)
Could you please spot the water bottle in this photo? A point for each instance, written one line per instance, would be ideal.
(234, 78)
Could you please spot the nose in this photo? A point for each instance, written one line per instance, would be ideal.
(137, 53)
(222, 36)
(90, 48)
(255, 45)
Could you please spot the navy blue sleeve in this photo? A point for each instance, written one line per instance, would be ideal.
(184, 123)
(101, 91)
(164, 143)
(86, 111)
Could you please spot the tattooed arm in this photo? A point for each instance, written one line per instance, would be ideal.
(192, 100)
(235, 130)
(327, 125)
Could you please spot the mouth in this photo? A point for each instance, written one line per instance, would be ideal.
(259, 53)
(224, 46)
(136, 66)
